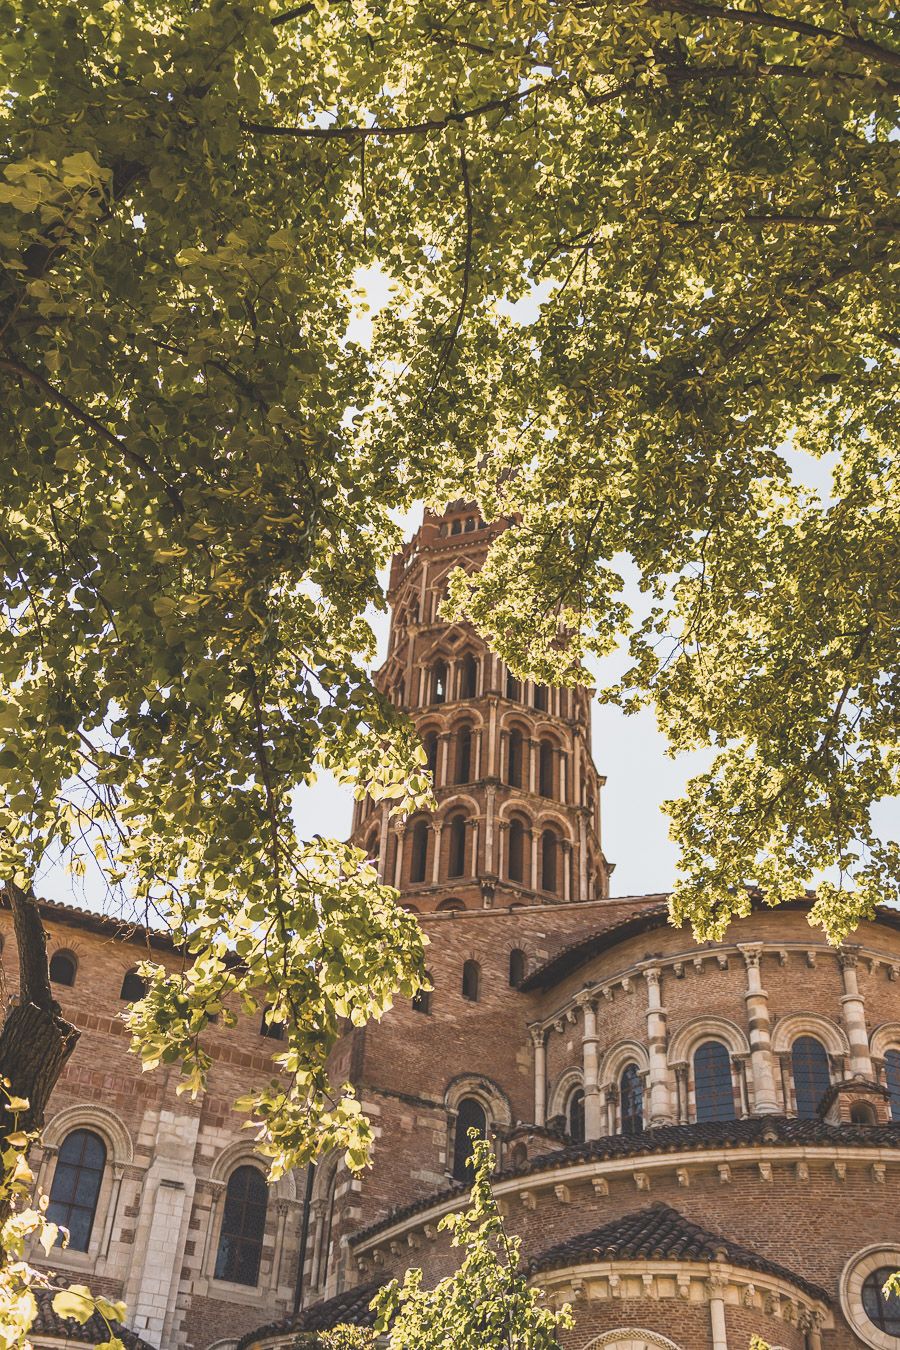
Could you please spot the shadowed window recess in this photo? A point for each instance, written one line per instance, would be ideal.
(713, 1092)
(470, 1116)
(243, 1227)
(631, 1096)
(76, 1186)
(133, 987)
(812, 1077)
(62, 968)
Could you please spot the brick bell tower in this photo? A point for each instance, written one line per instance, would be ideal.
(518, 796)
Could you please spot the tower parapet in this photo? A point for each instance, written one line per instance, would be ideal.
(518, 795)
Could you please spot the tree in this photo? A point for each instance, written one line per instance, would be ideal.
(190, 538)
(487, 1301)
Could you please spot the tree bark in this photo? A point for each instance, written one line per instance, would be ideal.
(36, 1040)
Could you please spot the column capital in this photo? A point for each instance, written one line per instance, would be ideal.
(651, 975)
(751, 952)
(538, 1036)
(848, 957)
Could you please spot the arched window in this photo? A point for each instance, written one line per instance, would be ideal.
(373, 848)
(468, 677)
(421, 999)
(540, 697)
(76, 1186)
(516, 966)
(575, 1116)
(133, 987)
(456, 526)
(713, 1093)
(470, 524)
(62, 968)
(883, 1310)
(514, 758)
(400, 693)
(419, 862)
(243, 1227)
(812, 1078)
(464, 755)
(892, 1079)
(439, 682)
(430, 743)
(273, 1030)
(545, 775)
(470, 1116)
(549, 859)
(471, 979)
(516, 850)
(457, 860)
(447, 906)
(513, 688)
(631, 1097)
(326, 1225)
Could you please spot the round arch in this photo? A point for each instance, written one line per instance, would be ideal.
(467, 716)
(788, 1028)
(565, 1085)
(884, 1038)
(241, 1154)
(618, 1056)
(631, 1338)
(111, 1128)
(554, 820)
(690, 1034)
(460, 801)
(486, 1093)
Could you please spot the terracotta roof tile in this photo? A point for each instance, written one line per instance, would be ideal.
(660, 1233)
(351, 1306)
(91, 1332)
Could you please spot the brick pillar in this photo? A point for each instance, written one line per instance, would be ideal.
(539, 1041)
(765, 1099)
(660, 1102)
(593, 1106)
(853, 1011)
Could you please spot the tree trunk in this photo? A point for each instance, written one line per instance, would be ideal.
(36, 1039)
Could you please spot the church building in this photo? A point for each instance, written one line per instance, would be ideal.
(696, 1143)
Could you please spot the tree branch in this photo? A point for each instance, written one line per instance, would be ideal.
(87, 419)
(356, 133)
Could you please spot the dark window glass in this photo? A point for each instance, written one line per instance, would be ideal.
(373, 849)
(545, 784)
(713, 1092)
(419, 861)
(516, 848)
(469, 677)
(76, 1186)
(133, 987)
(575, 1115)
(62, 968)
(421, 1000)
(400, 693)
(882, 1310)
(514, 759)
(464, 756)
(470, 524)
(631, 1093)
(540, 697)
(513, 688)
(471, 980)
(469, 1117)
(457, 846)
(549, 851)
(516, 965)
(274, 1030)
(812, 1079)
(431, 749)
(892, 1076)
(243, 1226)
(439, 683)
(456, 527)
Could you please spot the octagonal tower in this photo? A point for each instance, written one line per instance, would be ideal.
(518, 795)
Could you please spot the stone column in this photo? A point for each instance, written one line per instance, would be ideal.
(477, 738)
(660, 1102)
(539, 1041)
(503, 757)
(444, 744)
(566, 854)
(437, 829)
(493, 765)
(611, 1098)
(582, 858)
(716, 1291)
(535, 874)
(398, 859)
(682, 1078)
(531, 776)
(853, 1011)
(593, 1107)
(383, 840)
(765, 1099)
(489, 864)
